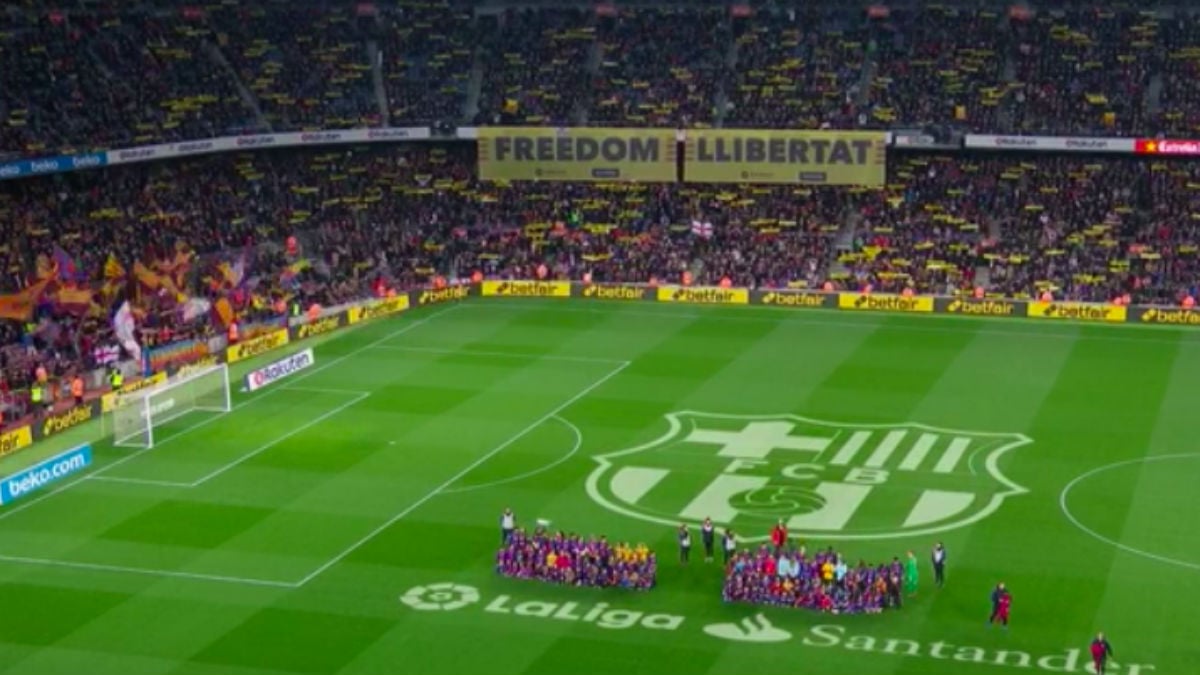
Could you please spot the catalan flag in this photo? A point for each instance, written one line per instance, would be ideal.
(72, 300)
(113, 269)
(19, 306)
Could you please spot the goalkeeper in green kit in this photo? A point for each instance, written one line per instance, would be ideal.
(910, 574)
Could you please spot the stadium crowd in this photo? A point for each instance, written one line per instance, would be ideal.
(1084, 229)
(364, 220)
(573, 560)
(101, 77)
(822, 581)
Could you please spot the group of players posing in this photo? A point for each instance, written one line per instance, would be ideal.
(829, 571)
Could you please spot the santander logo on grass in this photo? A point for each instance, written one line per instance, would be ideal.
(758, 630)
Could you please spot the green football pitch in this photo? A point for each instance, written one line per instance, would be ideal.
(346, 519)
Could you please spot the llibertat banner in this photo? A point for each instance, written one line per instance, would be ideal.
(781, 156)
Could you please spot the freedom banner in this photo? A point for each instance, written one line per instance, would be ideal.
(577, 154)
(781, 156)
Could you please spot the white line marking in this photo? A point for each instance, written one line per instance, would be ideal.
(528, 474)
(99, 472)
(1062, 504)
(146, 571)
(359, 396)
(664, 313)
(137, 453)
(141, 481)
(267, 446)
(458, 476)
(511, 355)
(325, 390)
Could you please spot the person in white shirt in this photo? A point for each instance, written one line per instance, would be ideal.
(730, 544)
(508, 523)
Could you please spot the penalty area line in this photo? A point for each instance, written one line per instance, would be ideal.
(528, 474)
(303, 376)
(458, 476)
(144, 571)
(502, 355)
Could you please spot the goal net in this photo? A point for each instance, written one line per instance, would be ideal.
(137, 414)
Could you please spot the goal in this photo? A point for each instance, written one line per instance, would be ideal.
(136, 415)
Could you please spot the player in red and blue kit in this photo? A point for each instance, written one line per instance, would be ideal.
(1001, 602)
(1101, 651)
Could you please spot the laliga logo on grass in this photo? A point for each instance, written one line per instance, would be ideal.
(440, 597)
(447, 596)
(825, 479)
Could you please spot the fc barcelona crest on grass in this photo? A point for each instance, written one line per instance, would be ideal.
(827, 480)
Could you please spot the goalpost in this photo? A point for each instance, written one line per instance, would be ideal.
(136, 414)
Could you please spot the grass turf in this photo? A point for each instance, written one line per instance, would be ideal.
(320, 501)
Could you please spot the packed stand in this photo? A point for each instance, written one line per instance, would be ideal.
(1084, 72)
(925, 230)
(823, 582)
(775, 236)
(171, 88)
(938, 65)
(660, 67)
(368, 218)
(428, 51)
(796, 71)
(572, 560)
(1076, 228)
(78, 81)
(535, 66)
(1179, 100)
(306, 66)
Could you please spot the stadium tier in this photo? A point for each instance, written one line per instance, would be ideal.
(80, 79)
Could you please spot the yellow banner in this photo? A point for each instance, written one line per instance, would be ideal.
(796, 299)
(1169, 317)
(983, 307)
(109, 401)
(197, 365)
(377, 309)
(527, 289)
(1077, 311)
(12, 441)
(72, 418)
(577, 154)
(259, 345)
(615, 292)
(436, 296)
(780, 156)
(884, 303)
(704, 295)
